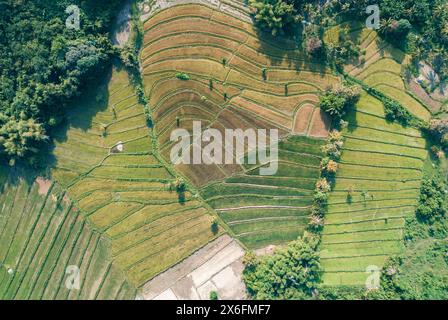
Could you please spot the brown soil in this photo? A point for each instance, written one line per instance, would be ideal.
(44, 185)
(320, 124)
(302, 120)
(416, 89)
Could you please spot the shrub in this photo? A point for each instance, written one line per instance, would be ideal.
(396, 112)
(350, 193)
(213, 295)
(214, 226)
(182, 76)
(444, 140)
(178, 185)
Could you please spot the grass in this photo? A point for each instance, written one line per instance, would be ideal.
(257, 207)
(113, 188)
(38, 243)
(380, 67)
(195, 39)
(383, 164)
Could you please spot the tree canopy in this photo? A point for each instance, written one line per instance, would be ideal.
(290, 273)
(43, 64)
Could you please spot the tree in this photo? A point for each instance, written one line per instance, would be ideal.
(323, 185)
(334, 144)
(314, 46)
(290, 273)
(395, 30)
(328, 166)
(213, 295)
(337, 101)
(433, 203)
(316, 222)
(43, 65)
(20, 138)
(214, 226)
(439, 129)
(276, 16)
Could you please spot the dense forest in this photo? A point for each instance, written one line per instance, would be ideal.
(44, 64)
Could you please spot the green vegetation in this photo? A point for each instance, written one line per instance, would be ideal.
(276, 16)
(44, 65)
(393, 109)
(420, 270)
(182, 76)
(376, 188)
(423, 21)
(337, 101)
(421, 273)
(121, 185)
(439, 129)
(213, 295)
(42, 235)
(264, 210)
(433, 203)
(367, 196)
(290, 273)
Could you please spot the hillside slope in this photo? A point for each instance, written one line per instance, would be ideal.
(42, 237)
(107, 161)
(377, 187)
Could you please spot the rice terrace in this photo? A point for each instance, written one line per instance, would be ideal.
(224, 150)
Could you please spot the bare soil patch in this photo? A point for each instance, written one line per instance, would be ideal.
(320, 124)
(215, 267)
(302, 120)
(44, 185)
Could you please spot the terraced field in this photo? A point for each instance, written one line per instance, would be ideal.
(106, 160)
(42, 234)
(238, 79)
(382, 164)
(381, 67)
(266, 210)
(235, 80)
